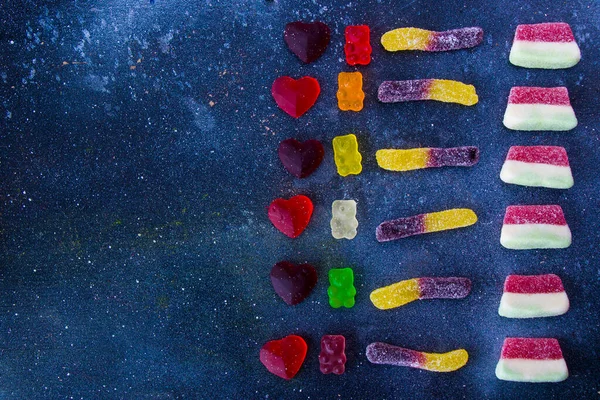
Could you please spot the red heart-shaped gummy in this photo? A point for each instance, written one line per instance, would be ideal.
(284, 357)
(293, 283)
(301, 158)
(295, 97)
(291, 216)
(307, 40)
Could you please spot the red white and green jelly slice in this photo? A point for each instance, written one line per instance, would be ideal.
(539, 109)
(535, 227)
(531, 296)
(384, 353)
(547, 45)
(542, 166)
(531, 360)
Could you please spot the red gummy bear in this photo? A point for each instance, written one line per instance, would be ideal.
(358, 47)
(284, 357)
(291, 216)
(295, 97)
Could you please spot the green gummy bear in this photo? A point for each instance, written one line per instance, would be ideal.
(341, 290)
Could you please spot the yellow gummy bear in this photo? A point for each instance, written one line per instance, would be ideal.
(406, 39)
(449, 219)
(350, 94)
(346, 155)
(402, 160)
(446, 362)
(452, 92)
(395, 295)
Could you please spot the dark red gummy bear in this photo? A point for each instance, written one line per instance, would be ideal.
(293, 283)
(307, 40)
(332, 358)
(358, 46)
(301, 158)
(291, 216)
(295, 97)
(284, 357)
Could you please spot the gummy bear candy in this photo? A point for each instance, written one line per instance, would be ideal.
(343, 220)
(295, 97)
(421, 39)
(346, 155)
(427, 89)
(425, 223)
(531, 360)
(548, 45)
(293, 283)
(284, 357)
(358, 47)
(332, 358)
(404, 292)
(341, 290)
(308, 41)
(531, 296)
(301, 158)
(535, 227)
(544, 166)
(384, 353)
(291, 216)
(539, 109)
(350, 94)
(410, 159)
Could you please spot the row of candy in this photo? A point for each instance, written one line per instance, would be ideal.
(521, 359)
(545, 45)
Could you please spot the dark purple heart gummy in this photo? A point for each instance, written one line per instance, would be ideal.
(301, 158)
(293, 283)
(307, 40)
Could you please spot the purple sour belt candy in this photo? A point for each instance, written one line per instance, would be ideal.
(410, 159)
(548, 45)
(422, 39)
(425, 223)
(383, 353)
(535, 227)
(539, 109)
(427, 89)
(531, 296)
(544, 166)
(531, 360)
(332, 359)
(403, 292)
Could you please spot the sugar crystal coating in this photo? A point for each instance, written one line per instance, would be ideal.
(546, 45)
(332, 359)
(533, 296)
(384, 353)
(411, 159)
(427, 89)
(343, 221)
(531, 360)
(535, 227)
(425, 40)
(308, 41)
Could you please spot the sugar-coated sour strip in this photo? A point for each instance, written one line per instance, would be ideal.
(535, 227)
(543, 166)
(539, 109)
(531, 360)
(403, 292)
(427, 89)
(531, 296)
(384, 353)
(410, 159)
(425, 223)
(548, 45)
(422, 39)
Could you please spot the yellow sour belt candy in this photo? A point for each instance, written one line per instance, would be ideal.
(384, 353)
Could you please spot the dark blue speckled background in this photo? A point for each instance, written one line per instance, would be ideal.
(137, 159)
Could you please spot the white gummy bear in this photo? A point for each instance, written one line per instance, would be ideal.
(343, 220)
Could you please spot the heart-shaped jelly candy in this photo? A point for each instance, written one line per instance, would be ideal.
(284, 357)
(291, 216)
(293, 283)
(307, 40)
(301, 158)
(295, 97)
